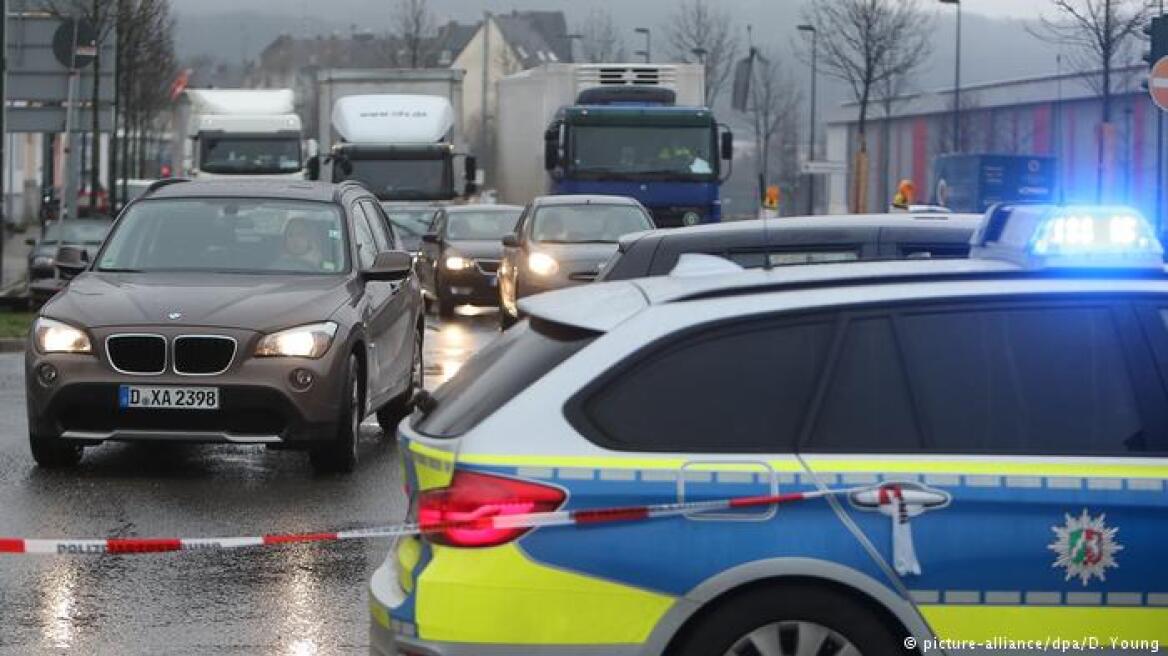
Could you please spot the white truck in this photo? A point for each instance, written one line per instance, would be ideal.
(252, 133)
(638, 130)
(399, 132)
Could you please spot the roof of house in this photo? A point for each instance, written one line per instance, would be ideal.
(536, 37)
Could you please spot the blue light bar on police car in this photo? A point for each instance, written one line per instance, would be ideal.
(1082, 237)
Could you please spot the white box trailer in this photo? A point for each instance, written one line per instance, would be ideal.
(529, 101)
(238, 133)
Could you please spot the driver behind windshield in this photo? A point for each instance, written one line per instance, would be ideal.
(301, 247)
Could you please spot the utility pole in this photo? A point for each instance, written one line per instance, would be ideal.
(486, 82)
(811, 179)
(956, 80)
(3, 131)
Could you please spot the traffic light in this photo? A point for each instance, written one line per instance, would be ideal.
(1157, 31)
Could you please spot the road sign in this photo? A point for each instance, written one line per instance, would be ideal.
(823, 168)
(75, 43)
(1158, 83)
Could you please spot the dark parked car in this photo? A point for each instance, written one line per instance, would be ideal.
(459, 259)
(44, 279)
(803, 240)
(562, 241)
(233, 312)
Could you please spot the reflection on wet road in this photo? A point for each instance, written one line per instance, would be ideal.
(294, 601)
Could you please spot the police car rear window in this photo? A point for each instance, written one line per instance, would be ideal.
(501, 370)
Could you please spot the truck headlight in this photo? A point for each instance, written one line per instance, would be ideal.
(311, 341)
(52, 336)
(458, 263)
(542, 264)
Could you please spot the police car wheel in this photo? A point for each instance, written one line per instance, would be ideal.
(52, 453)
(790, 619)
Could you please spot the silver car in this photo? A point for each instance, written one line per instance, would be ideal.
(562, 241)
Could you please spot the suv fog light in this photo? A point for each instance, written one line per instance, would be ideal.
(47, 374)
(301, 379)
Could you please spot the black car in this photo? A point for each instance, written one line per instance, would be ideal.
(459, 257)
(44, 279)
(804, 240)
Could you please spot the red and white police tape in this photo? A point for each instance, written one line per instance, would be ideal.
(887, 493)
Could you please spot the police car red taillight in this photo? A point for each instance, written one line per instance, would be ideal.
(459, 515)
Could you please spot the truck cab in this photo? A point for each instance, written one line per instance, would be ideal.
(400, 146)
(635, 141)
(248, 133)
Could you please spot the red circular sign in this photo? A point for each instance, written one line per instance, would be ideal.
(1158, 83)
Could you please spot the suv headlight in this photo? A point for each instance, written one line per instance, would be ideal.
(51, 336)
(311, 341)
(43, 261)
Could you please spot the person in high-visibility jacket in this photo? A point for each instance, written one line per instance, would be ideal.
(906, 193)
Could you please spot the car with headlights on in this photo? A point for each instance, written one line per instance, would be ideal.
(459, 258)
(563, 241)
(230, 312)
(44, 279)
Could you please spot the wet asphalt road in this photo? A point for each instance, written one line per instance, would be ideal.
(296, 601)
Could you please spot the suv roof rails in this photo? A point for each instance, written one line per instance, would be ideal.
(164, 182)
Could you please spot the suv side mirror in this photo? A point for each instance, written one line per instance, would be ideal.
(72, 260)
(432, 238)
(727, 145)
(389, 266)
(511, 241)
(551, 148)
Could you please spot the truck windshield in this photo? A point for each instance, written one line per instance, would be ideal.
(228, 235)
(638, 150)
(252, 155)
(401, 179)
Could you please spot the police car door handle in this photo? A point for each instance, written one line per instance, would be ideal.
(900, 502)
(912, 494)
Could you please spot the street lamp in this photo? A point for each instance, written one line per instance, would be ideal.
(956, 80)
(700, 53)
(810, 29)
(648, 51)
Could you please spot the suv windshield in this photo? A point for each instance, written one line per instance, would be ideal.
(234, 235)
(568, 224)
(481, 226)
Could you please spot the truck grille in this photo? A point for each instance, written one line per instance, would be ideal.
(203, 355)
(143, 355)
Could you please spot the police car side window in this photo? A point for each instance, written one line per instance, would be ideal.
(742, 388)
(867, 405)
(1037, 380)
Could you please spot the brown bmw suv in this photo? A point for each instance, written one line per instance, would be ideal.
(231, 312)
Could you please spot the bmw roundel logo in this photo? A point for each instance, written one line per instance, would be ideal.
(175, 316)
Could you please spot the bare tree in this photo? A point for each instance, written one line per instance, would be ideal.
(601, 41)
(774, 108)
(147, 68)
(1099, 35)
(864, 43)
(101, 14)
(702, 34)
(414, 23)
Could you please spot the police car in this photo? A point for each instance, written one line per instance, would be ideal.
(981, 447)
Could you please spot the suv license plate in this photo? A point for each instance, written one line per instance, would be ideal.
(168, 398)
